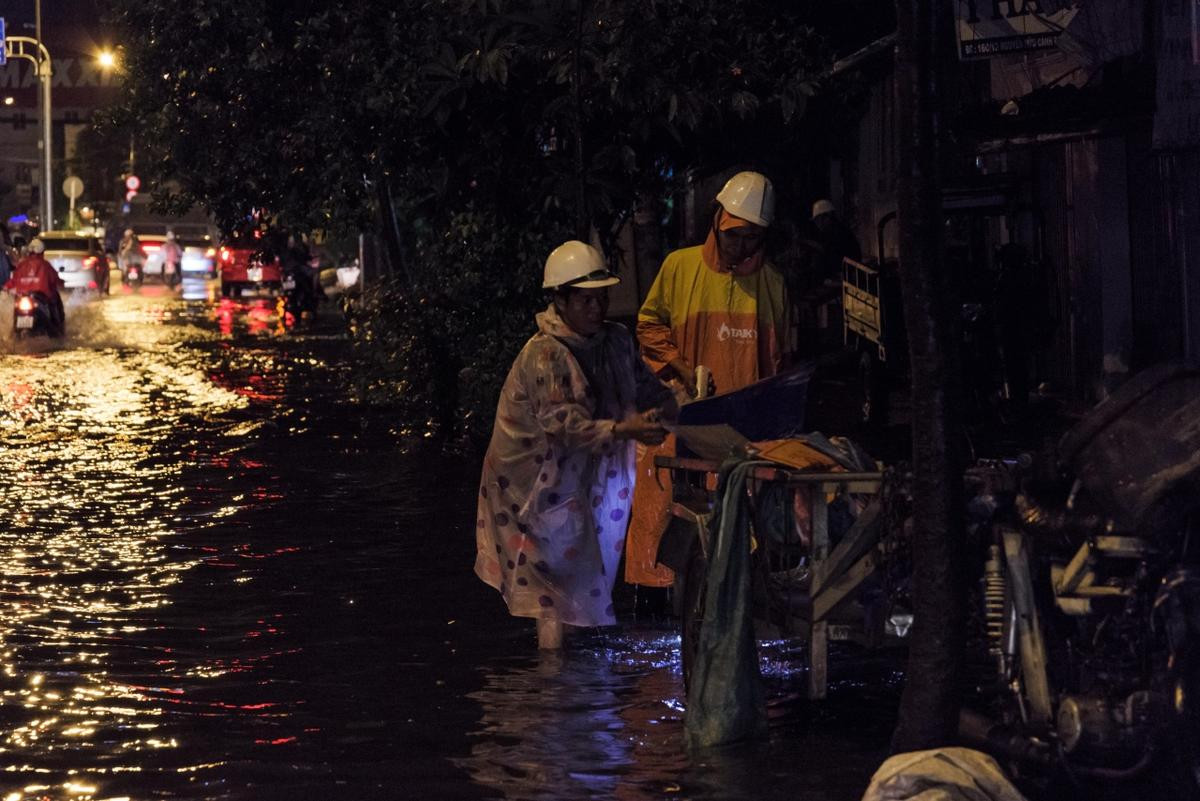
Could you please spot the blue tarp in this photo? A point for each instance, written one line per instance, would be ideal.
(772, 408)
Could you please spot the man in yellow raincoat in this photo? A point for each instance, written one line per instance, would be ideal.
(720, 305)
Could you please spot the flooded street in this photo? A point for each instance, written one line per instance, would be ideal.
(222, 579)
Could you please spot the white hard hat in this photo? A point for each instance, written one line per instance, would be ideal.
(749, 195)
(37, 246)
(576, 264)
(823, 206)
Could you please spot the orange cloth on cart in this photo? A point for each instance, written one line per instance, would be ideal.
(796, 453)
(738, 325)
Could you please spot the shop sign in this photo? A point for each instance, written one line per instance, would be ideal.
(988, 28)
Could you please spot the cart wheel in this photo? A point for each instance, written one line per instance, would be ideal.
(693, 591)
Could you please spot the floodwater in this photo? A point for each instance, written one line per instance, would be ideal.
(221, 578)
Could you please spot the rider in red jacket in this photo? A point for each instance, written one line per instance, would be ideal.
(37, 276)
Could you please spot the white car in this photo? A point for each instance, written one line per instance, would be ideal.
(197, 241)
(79, 260)
(199, 268)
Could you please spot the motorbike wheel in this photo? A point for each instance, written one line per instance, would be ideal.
(693, 593)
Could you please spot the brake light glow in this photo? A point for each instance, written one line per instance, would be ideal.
(148, 249)
(93, 285)
(226, 255)
(25, 304)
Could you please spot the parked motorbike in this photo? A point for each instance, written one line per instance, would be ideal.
(1087, 616)
(32, 317)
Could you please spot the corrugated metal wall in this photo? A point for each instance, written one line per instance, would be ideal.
(1176, 225)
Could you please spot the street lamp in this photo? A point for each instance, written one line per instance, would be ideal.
(14, 46)
(35, 51)
(109, 60)
(45, 67)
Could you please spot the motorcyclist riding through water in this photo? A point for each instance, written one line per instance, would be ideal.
(302, 292)
(129, 257)
(36, 276)
(172, 261)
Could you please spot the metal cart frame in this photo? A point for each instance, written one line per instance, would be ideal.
(834, 572)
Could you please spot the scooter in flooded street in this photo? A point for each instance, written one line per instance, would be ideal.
(133, 276)
(33, 316)
(300, 298)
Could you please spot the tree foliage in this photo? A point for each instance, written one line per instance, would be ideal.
(550, 118)
(569, 106)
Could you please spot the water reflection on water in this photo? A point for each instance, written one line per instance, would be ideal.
(221, 579)
(605, 720)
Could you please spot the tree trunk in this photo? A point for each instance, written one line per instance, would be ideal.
(930, 703)
(647, 242)
(390, 229)
(582, 223)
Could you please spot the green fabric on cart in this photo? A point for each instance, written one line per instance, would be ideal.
(726, 699)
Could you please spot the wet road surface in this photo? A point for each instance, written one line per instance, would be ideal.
(221, 578)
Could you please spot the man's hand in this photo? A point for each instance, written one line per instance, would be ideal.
(645, 428)
(686, 376)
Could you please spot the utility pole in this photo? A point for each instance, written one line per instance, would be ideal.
(929, 706)
(44, 71)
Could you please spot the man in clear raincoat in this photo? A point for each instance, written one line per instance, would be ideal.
(558, 474)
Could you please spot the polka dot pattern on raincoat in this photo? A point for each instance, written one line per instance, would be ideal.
(556, 487)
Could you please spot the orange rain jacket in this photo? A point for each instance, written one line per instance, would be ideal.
(738, 324)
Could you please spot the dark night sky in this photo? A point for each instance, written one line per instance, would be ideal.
(67, 25)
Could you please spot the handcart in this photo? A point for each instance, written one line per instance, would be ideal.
(807, 583)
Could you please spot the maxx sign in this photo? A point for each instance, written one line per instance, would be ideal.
(997, 27)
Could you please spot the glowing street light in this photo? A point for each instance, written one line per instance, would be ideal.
(109, 60)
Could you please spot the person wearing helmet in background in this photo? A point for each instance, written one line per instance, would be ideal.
(832, 240)
(720, 305)
(34, 275)
(129, 252)
(172, 260)
(558, 474)
(816, 279)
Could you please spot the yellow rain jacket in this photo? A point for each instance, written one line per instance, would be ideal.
(735, 322)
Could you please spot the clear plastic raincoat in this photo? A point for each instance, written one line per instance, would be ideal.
(556, 487)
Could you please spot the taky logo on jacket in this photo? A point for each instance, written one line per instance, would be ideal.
(725, 333)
